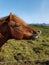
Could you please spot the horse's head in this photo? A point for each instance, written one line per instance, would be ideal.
(20, 30)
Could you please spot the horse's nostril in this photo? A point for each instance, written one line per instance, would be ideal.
(39, 32)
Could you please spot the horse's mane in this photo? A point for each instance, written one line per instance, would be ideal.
(3, 20)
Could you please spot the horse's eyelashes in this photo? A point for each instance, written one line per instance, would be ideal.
(15, 26)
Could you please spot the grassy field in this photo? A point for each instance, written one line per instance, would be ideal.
(27, 52)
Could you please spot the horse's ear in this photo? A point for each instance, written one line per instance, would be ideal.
(10, 16)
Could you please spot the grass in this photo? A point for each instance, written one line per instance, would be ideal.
(27, 52)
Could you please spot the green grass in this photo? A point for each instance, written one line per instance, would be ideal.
(27, 52)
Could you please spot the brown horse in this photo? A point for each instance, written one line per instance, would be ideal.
(14, 27)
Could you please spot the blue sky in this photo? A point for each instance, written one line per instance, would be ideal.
(31, 11)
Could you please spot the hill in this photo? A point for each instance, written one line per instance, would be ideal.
(44, 24)
(27, 52)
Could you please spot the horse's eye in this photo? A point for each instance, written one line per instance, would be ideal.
(18, 25)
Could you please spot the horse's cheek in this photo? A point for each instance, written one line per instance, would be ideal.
(16, 34)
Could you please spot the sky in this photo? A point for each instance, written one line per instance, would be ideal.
(31, 11)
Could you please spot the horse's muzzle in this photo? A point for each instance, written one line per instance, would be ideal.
(36, 35)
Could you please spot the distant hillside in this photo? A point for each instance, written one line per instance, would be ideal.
(44, 29)
(44, 24)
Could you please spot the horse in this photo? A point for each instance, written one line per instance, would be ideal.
(13, 27)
